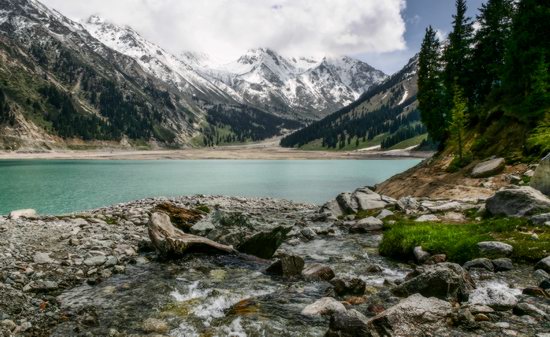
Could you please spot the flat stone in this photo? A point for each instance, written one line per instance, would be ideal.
(22, 213)
(495, 249)
(323, 306)
(488, 168)
(367, 225)
(428, 218)
(497, 297)
(481, 263)
(95, 261)
(42, 258)
(522, 309)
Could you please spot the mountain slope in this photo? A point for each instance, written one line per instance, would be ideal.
(60, 82)
(385, 115)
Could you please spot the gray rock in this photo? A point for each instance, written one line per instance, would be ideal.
(545, 284)
(488, 168)
(540, 219)
(420, 255)
(481, 263)
(367, 199)
(494, 296)
(333, 208)
(353, 286)
(522, 309)
(503, 264)
(443, 280)
(544, 264)
(264, 244)
(384, 214)
(427, 218)
(308, 233)
(413, 316)
(318, 271)
(347, 203)
(22, 213)
(518, 201)
(408, 203)
(95, 261)
(494, 249)
(111, 261)
(289, 266)
(367, 225)
(202, 226)
(349, 323)
(323, 306)
(541, 177)
(42, 258)
(540, 275)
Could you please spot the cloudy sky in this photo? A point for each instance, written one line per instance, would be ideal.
(383, 33)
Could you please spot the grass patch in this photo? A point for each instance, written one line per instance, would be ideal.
(414, 141)
(459, 241)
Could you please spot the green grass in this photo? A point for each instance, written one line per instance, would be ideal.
(459, 241)
(410, 142)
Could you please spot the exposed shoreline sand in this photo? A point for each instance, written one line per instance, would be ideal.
(228, 152)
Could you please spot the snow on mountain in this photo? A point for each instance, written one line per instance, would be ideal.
(300, 88)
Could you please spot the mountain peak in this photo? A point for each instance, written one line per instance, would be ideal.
(95, 20)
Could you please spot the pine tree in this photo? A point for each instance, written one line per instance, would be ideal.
(528, 59)
(495, 20)
(458, 122)
(457, 54)
(430, 87)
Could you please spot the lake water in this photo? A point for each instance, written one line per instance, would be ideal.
(61, 186)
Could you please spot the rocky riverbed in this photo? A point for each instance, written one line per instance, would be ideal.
(297, 270)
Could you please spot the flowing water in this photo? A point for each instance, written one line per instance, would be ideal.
(60, 186)
(227, 296)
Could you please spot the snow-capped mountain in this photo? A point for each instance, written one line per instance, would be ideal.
(301, 88)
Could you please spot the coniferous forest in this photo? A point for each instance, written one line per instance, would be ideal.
(486, 90)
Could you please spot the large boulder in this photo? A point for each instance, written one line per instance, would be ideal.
(541, 178)
(173, 243)
(264, 244)
(446, 281)
(367, 199)
(488, 168)
(413, 316)
(332, 208)
(517, 202)
(362, 199)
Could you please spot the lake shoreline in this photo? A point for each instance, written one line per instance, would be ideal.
(226, 153)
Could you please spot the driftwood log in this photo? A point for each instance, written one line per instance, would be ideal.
(172, 242)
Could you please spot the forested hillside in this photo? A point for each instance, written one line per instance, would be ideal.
(486, 91)
(385, 115)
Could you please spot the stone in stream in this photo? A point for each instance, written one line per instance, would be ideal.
(541, 178)
(443, 280)
(367, 225)
(503, 264)
(494, 249)
(481, 263)
(42, 258)
(22, 213)
(518, 202)
(289, 266)
(264, 244)
(496, 296)
(354, 286)
(535, 291)
(544, 264)
(95, 261)
(522, 309)
(488, 168)
(323, 306)
(348, 323)
(172, 242)
(316, 271)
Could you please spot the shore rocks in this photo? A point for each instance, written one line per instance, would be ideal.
(541, 178)
(488, 168)
(264, 244)
(174, 243)
(413, 316)
(443, 280)
(362, 199)
(289, 266)
(22, 213)
(544, 264)
(494, 249)
(324, 306)
(495, 296)
(366, 225)
(518, 201)
(427, 218)
(481, 263)
(315, 272)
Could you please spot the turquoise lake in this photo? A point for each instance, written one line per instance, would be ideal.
(61, 186)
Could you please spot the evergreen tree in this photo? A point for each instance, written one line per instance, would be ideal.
(457, 54)
(458, 122)
(495, 20)
(528, 59)
(430, 86)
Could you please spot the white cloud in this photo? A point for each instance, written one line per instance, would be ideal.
(441, 35)
(225, 28)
